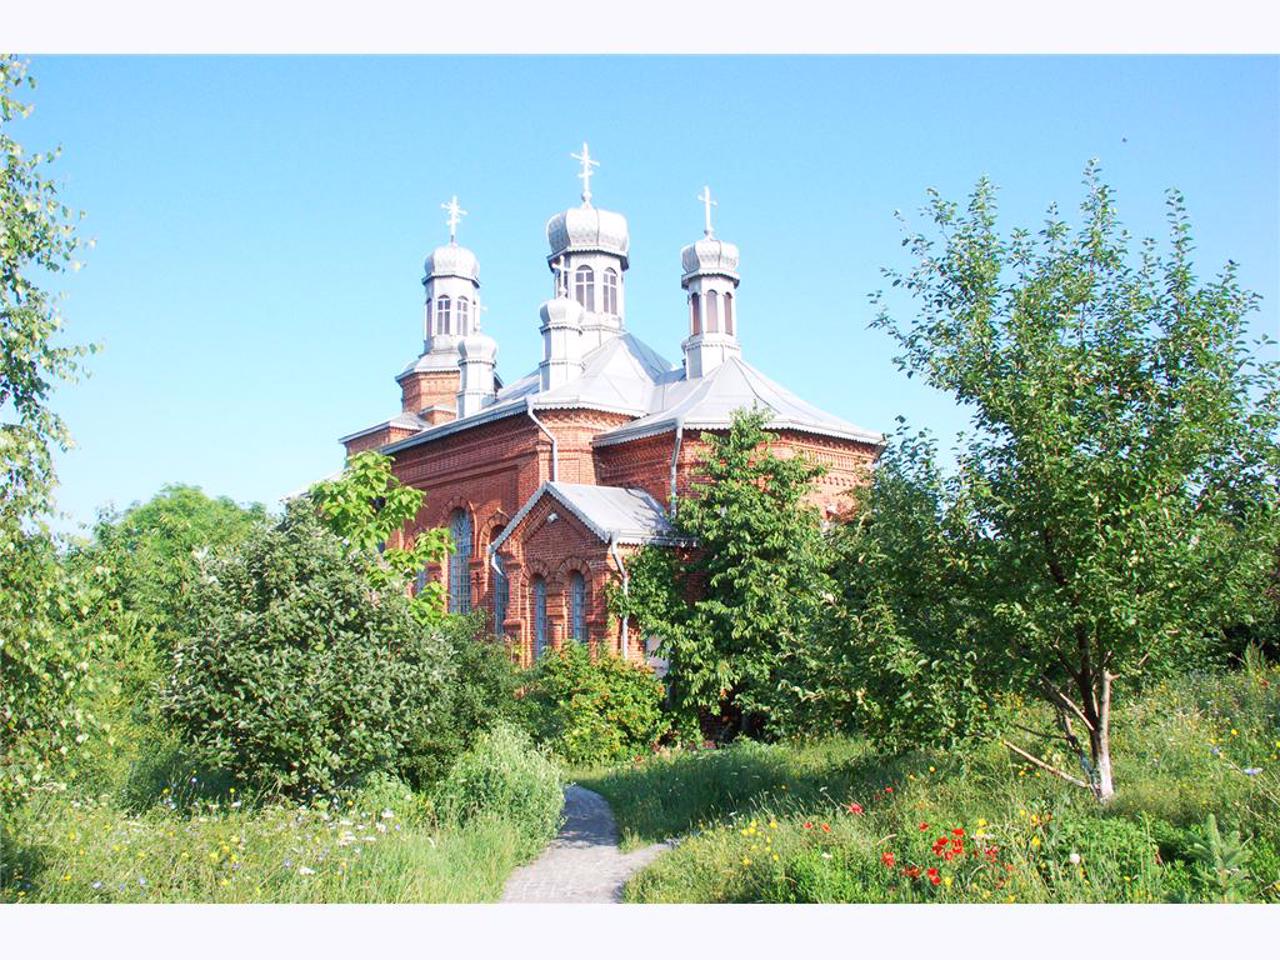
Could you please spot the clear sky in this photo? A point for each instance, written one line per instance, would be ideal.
(261, 223)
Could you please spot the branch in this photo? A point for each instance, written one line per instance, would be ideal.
(1063, 701)
(1036, 733)
(1044, 766)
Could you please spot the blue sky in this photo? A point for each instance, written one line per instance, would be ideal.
(261, 223)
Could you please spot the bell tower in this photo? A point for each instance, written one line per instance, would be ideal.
(711, 279)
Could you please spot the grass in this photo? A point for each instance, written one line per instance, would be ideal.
(774, 823)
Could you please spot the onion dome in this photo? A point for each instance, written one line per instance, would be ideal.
(710, 256)
(452, 260)
(589, 229)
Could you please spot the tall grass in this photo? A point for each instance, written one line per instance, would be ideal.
(814, 822)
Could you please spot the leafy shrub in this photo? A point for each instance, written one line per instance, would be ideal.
(592, 710)
(298, 675)
(504, 775)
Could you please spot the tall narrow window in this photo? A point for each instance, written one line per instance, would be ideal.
(460, 563)
(695, 313)
(611, 291)
(464, 314)
(430, 331)
(578, 606)
(501, 594)
(442, 315)
(584, 287)
(728, 314)
(539, 616)
(713, 312)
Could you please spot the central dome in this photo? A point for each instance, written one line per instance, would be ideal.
(589, 230)
(452, 260)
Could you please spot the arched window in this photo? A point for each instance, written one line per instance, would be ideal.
(501, 594)
(695, 313)
(429, 330)
(442, 315)
(728, 314)
(539, 616)
(584, 287)
(464, 313)
(578, 607)
(611, 291)
(713, 312)
(460, 563)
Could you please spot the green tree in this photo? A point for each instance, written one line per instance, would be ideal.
(740, 613)
(43, 664)
(366, 506)
(1116, 501)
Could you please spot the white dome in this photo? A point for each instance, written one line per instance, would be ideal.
(452, 260)
(589, 229)
(478, 346)
(561, 312)
(710, 255)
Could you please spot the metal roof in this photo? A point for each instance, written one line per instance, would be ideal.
(611, 513)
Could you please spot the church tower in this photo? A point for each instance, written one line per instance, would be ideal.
(429, 387)
(711, 279)
(588, 258)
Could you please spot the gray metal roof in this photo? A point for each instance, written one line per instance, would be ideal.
(709, 403)
(611, 513)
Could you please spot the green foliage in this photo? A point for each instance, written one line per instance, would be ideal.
(366, 506)
(43, 666)
(505, 774)
(298, 676)
(1222, 860)
(742, 616)
(1117, 500)
(592, 710)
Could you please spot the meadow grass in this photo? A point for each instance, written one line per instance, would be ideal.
(834, 821)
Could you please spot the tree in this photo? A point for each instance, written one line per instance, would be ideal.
(1117, 500)
(366, 506)
(43, 664)
(739, 613)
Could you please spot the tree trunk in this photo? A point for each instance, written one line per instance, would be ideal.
(1100, 744)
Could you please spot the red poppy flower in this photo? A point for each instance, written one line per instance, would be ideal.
(923, 827)
(948, 855)
(935, 880)
(991, 854)
(854, 808)
(826, 828)
(932, 871)
(958, 831)
(888, 789)
(887, 858)
(808, 825)
(911, 872)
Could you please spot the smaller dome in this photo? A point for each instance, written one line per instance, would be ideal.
(452, 260)
(589, 229)
(710, 255)
(478, 346)
(561, 312)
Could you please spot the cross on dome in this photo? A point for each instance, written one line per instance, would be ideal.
(708, 203)
(585, 176)
(456, 213)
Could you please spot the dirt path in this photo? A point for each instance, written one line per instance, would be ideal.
(583, 863)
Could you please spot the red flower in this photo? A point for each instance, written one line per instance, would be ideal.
(938, 846)
(887, 858)
(958, 831)
(911, 872)
(948, 855)
(808, 825)
(923, 826)
(934, 877)
(991, 854)
(826, 828)
(854, 808)
(888, 789)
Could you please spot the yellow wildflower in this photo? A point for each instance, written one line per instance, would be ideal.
(746, 861)
(946, 881)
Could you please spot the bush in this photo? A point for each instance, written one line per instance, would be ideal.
(591, 711)
(505, 775)
(298, 675)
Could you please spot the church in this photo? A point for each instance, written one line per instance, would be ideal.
(549, 483)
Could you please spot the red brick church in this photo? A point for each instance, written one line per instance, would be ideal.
(550, 482)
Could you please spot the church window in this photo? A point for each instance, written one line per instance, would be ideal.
(501, 594)
(430, 331)
(611, 291)
(442, 315)
(695, 313)
(578, 606)
(464, 313)
(584, 287)
(539, 616)
(728, 314)
(459, 563)
(713, 312)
